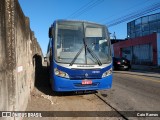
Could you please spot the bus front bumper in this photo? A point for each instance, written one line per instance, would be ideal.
(60, 84)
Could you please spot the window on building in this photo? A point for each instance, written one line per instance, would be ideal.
(132, 30)
(158, 30)
(145, 33)
(138, 33)
(132, 35)
(153, 26)
(158, 24)
(128, 30)
(145, 27)
(158, 16)
(138, 21)
(145, 20)
(153, 31)
(138, 27)
(128, 27)
(132, 24)
(153, 18)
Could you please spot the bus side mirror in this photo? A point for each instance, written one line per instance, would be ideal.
(51, 32)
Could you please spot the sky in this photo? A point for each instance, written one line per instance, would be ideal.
(43, 13)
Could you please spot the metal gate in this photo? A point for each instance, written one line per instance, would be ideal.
(139, 54)
(142, 54)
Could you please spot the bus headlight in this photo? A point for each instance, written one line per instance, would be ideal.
(60, 73)
(107, 73)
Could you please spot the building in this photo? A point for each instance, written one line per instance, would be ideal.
(143, 26)
(143, 43)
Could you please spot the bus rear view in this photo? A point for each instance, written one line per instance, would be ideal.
(79, 56)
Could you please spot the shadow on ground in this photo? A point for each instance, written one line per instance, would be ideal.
(42, 76)
(42, 81)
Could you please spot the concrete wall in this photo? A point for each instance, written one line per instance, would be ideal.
(18, 46)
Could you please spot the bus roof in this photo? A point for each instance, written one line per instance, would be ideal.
(63, 20)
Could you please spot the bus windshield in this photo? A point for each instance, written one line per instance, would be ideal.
(82, 43)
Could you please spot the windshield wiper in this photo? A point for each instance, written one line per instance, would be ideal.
(74, 59)
(94, 56)
(90, 51)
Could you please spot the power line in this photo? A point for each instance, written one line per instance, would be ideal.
(134, 15)
(85, 8)
(90, 7)
(80, 9)
(134, 6)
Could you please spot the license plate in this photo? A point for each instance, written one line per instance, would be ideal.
(86, 82)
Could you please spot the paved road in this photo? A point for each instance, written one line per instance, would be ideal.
(134, 91)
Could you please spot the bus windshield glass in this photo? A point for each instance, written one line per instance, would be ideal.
(82, 43)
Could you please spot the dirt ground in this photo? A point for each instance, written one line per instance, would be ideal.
(67, 102)
(44, 99)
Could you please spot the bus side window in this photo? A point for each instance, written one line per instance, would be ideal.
(48, 47)
(59, 42)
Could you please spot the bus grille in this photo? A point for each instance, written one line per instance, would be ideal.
(80, 77)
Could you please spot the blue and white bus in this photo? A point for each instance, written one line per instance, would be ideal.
(79, 56)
